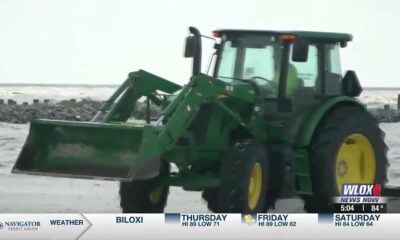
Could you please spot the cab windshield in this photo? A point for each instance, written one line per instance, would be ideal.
(254, 58)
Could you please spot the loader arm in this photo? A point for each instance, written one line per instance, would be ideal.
(120, 105)
(201, 88)
(109, 148)
(162, 136)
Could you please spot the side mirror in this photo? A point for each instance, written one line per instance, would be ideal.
(193, 49)
(190, 47)
(300, 50)
(350, 85)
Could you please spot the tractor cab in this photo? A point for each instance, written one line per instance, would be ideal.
(293, 72)
(287, 67)
(286, 62)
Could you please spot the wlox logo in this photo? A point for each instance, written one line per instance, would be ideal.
(361, 190)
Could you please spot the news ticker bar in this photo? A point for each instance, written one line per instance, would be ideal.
(199, 226)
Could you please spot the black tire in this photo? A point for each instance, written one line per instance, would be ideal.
(330, 134)
(235, 173)
(211, 197)
(137, 197)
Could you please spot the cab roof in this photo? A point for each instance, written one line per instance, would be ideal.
(312, 36)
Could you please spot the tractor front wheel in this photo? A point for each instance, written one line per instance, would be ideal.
(211, 198)
(144, 196)
(243, 174)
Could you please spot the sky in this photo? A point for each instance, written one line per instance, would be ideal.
(101, 41)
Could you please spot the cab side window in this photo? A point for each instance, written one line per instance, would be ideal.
(332, 71)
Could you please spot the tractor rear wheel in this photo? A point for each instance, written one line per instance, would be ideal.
(143, 196)
(347, 147)
(243, 174)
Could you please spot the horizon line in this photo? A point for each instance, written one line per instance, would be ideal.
(116, 85)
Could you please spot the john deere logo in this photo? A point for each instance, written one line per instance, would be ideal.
(1, 225)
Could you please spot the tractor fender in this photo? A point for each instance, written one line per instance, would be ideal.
(313, 120)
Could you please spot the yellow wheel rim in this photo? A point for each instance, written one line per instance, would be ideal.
(355, 161)
(155, 195)
(255, 185)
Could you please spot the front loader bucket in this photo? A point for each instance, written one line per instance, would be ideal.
(89, 150)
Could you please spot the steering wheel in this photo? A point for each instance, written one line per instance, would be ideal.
(270, 82)
(272, 86)
(262, 78)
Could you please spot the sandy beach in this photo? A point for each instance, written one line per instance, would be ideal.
(37, 194)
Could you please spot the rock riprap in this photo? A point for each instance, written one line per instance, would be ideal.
(82, 110)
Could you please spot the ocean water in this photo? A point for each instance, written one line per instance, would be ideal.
(26, 93)
(373, 97)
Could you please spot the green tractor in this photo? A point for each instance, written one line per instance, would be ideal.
(275, 119)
